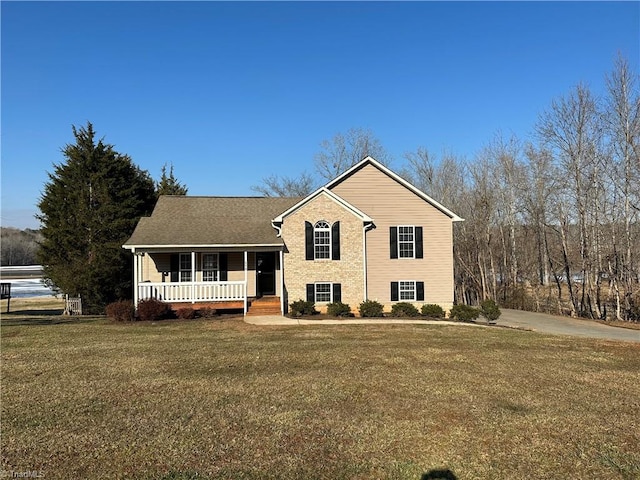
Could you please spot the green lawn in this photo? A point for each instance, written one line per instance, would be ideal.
(222, 399)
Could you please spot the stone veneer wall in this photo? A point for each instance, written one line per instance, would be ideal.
(348, 271)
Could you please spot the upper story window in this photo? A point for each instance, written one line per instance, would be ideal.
(321, 240)
(185, 267)
(209, 267)
(405, 241)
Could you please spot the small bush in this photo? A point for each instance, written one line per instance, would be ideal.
(153, 309)
(121, 311)
(339, 309)
(300, 307)
(464, 313)
(404, 309)
(432, 310)
(186, 313)
(489, 310)
(207, 312)
(370, 308)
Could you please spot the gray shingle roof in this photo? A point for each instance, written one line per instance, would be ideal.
(192, 221)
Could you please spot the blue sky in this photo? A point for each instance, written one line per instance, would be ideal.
(232, 92)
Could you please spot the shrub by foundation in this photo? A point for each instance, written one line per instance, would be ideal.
(464, 313)
(207, 312)
(370, 308)
(153, 309)
(339, 309)
(301, 307)
(432, 310)
(121, 311)
(489, 310)
(404, 309)
(186, 313)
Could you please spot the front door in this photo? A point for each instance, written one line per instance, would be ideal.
(265, 273)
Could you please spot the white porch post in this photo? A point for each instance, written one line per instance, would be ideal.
(193, 277)
(136, 279)
(282, 282)
(246, 265)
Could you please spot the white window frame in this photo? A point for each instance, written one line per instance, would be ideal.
(411, 242)
(184, 274)
(215, 271)
(409, 286)
(315, 292)
(322, 227)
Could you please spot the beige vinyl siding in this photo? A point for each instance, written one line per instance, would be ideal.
(390, 203)
(153, 264)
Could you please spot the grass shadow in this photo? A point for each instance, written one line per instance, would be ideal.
(36, 312)
(56, 319)
(439, 474)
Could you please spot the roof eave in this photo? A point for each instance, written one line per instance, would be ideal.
(202, 245)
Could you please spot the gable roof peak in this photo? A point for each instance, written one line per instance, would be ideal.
(372, 161)
(333, 196)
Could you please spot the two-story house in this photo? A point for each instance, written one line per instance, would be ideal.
(367, 234)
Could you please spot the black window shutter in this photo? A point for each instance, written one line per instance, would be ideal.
(308, 241)
(394, 291)
(420, 291)
(418, 239)
(311, 292)
(337, 292)
(223, 264)
(335, 241)
(174, 266)
(393, 241)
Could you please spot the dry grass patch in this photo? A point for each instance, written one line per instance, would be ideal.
(223, 399)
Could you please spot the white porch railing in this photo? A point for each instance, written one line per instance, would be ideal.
(193, 291)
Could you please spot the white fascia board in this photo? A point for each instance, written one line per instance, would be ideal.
(323, 191)
(399, 179)
(234, 245)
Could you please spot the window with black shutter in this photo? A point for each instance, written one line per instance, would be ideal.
(337, 292)
(335, 241)
(407, 291)
(405, 241)
(308, 241)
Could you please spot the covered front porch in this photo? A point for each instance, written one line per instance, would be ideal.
(224, 278)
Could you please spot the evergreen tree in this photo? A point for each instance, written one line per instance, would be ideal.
(169, 185)
(89, 208)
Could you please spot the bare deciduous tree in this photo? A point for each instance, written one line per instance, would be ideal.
(345, 150)
(277, 186)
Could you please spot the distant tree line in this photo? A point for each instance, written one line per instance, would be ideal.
(19, 247)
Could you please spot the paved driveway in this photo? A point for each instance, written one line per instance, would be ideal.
(538, 322)
(544, 323)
